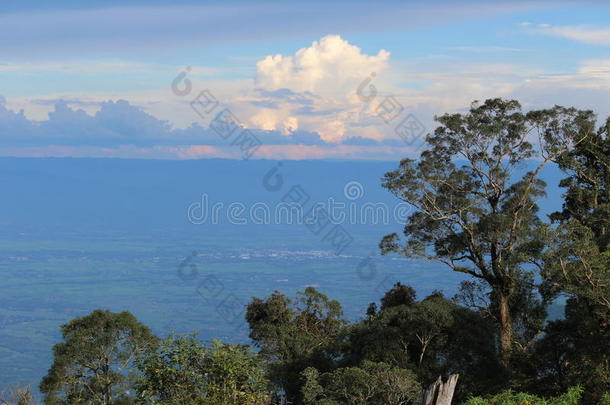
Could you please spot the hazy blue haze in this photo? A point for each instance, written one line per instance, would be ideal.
(79, 234)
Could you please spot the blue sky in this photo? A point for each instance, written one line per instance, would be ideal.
(94, 78)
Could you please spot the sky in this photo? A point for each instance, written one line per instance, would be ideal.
(281, 80)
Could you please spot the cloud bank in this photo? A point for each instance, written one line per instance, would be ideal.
(119, 129)
(330, 99)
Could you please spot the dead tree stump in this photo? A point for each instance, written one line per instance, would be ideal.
(439, 392)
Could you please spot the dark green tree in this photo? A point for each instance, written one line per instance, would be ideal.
(431, 337)
(295, 334)
(587, 197)
(95, 362)
(575, 349)
(474, 211)
(400, 294)
(579, 261)
(403, 331)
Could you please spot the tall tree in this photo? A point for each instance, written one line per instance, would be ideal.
(95, 362)
(575, 349)
(579, 262)
(587, 197)
(474, 212)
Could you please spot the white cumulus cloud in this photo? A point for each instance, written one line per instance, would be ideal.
(314, 89)
(325, 67)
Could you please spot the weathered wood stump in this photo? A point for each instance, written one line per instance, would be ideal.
(439, 392)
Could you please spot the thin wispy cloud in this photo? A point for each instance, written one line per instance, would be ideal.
(484, 49)
(78, 67)
(585, 34)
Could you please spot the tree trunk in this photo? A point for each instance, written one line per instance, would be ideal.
(506, 329)
(439, 392)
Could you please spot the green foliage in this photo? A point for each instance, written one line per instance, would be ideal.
(587, 197)
(475, 217)
(572, 397)
(432, 337)
(576, 264)
(575, 349)
(94, 364)
(400, 294)
(295, 334)
(403, 335)
(183, 371)
(372, 383)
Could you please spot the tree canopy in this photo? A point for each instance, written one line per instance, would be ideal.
(475, 209)
(95, 362)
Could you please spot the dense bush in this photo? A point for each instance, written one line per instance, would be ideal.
(572, 397)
